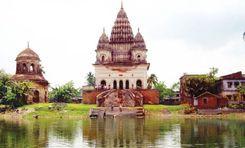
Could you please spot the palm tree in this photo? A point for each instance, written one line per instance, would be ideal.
(151, 80)
(90, 79)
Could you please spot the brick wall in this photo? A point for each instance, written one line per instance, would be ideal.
(89, 97)
(151, 96)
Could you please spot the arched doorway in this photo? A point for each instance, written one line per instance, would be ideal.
(103, 58)
(103, 84)
(120, 84)
(114, 84)
(32, 68)
(36, 96)
(138, 84)
(127, 84)
(25, 68)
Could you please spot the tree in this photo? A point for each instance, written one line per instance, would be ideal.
(164, 91)
(198, 84)
(176, 86)
(64, 93)
(13, 93)
(152, 80)
(241, 90)
(212, 74)
(90, 79)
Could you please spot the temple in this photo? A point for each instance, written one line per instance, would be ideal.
(121, 60)
(28, 68)
(121, 68)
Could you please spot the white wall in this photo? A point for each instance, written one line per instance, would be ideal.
(131, 73)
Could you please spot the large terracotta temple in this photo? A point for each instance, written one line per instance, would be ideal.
(121, 66)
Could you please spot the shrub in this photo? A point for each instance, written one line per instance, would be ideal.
(64, 93)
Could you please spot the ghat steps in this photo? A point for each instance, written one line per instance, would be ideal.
(114, 97)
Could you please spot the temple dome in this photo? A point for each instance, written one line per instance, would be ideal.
(121, 31)
(139, 41)
(103, 41)
(27, 54)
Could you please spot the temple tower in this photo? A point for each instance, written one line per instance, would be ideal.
(121, 58)
(28, 68)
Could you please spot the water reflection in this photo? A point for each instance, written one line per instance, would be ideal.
(122, 132)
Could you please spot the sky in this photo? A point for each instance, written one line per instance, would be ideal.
(182, 36)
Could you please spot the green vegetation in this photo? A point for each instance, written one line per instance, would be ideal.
(164, 91)
(50, 110)
(64, 93)
(198, 84)
(152, 80)
(241, 90)
(160, 108)
(90, 79)
(13, 94)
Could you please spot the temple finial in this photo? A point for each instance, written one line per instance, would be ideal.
(103, 29)
(121, 4)
(28, 44)
(138, 29)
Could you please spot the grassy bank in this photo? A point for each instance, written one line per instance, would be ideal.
(161, 108)
(80, 111)
(44, 110)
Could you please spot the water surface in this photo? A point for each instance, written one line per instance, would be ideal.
(123, 132)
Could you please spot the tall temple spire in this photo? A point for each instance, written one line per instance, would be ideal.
(121, 4)
(28, 42)
(121, 31)
(103, 29)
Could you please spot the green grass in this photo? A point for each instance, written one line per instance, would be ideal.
(70, 111)
(159, 108)
(81, 110)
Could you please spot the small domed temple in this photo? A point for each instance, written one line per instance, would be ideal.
(28, 68)
(121, 67)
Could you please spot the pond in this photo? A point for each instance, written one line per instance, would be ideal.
(123, 132)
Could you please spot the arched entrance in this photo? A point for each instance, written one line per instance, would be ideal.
(127, 84)
(138, 84)
(103, 58)
(114, 84)
(120, 84)
(103, 84)
(36, 96)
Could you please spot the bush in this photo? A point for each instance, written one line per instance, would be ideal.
(190, 110)
(237, 106)
(64, 93)
(13, 93)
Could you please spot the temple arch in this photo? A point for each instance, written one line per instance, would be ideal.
(127, 84)
(25, 69)
(114, 84)
(32, 67)
(102, 58)
(36, 96)
(138, 84)
(120, 84)
(103, 84)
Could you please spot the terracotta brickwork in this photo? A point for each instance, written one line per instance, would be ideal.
(28, 68)
(89, 97)
(151, 96)
(210, 101)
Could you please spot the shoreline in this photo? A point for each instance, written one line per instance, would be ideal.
(65, 115)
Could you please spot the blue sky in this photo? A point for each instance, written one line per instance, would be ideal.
(182, 36)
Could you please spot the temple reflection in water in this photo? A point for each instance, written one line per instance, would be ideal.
(123, 132)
